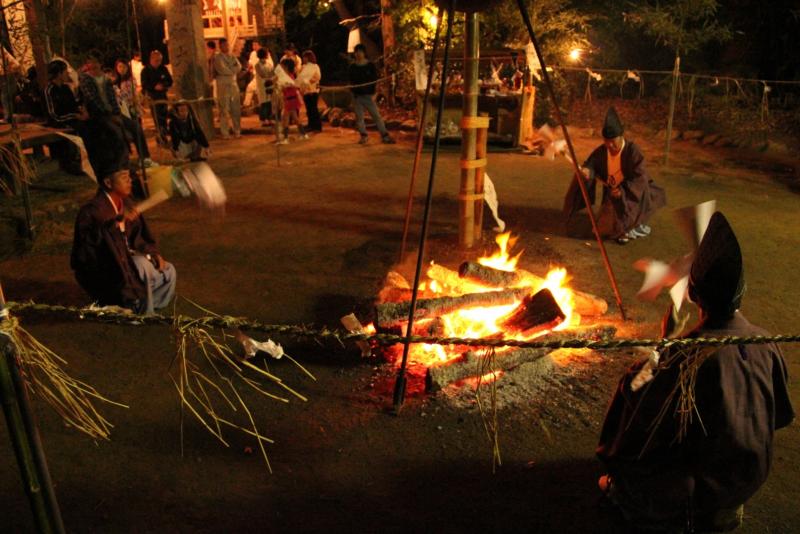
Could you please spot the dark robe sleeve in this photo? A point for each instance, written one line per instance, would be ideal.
(174, 133)
(167, 78)
(140, 237)
(573, 200)
(784, 413)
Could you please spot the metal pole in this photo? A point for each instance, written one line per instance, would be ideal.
(676, 74)
(578, 175)
(420, 134)
(400, 383)
(466, 200)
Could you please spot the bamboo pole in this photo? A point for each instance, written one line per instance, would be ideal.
(466, 196)
(573, 158)
(676, 75)
(19, 431)
(481, 151)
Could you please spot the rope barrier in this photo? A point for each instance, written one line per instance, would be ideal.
(226, 321)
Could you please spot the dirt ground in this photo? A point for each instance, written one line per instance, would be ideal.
(310, 241)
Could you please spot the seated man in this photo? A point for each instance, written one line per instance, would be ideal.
(114, 255)
(186, 135)
(64, 111)
(694, 431)
(630, 197)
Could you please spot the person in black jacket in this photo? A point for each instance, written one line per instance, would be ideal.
(106, 142)
(115, 256)
(65, 112)
(364, 77)
(156, 81)
(187, 137)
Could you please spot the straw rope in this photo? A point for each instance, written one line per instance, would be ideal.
(320, 334)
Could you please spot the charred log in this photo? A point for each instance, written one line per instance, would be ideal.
(535, 312)
(469, 363)
(389, 314)
(586, 305)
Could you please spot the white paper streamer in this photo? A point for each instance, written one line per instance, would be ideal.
(490, 197)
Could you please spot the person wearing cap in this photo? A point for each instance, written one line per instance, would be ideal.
(630, 196)
(115, 256)
(665, 470)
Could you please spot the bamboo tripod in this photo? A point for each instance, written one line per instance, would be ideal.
(469, 195)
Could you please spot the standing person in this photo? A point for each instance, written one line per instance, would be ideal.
(290, 52)
(186, 135)
(364, 76)
(690, 431)
(226, 68)
(264, 80)
(630, 196)
(308, 79)
(156, 81)
(115, 256)
(291, 105)
(131, 110)
(136, 68)
(107, 144)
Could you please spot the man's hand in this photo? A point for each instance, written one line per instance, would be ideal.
(130, 214)
(160, 263)
(586, 173)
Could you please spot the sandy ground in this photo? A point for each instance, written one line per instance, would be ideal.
(310, 241)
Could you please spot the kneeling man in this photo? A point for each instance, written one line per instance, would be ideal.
(115, 256)
(630, 197)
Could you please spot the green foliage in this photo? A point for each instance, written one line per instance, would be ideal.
(559, 27)
(684, 26)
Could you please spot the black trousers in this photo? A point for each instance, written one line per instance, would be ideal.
(314, 122)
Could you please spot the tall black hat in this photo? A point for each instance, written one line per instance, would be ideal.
(612, 127)
(716, 280)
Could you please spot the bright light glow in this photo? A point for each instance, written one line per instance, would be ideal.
(433, 20)
(575, 54)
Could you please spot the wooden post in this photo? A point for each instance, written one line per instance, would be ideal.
(480, 155)
(466, 196)
(188, 58)
(40, 39)
(676, 74)
(526, 111)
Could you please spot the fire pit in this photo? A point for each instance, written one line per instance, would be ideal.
(488, 297)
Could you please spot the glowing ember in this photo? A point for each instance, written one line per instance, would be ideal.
(485, 321)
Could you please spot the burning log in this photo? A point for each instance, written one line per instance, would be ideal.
(488, 276)
(451, 279)
(389, 314)
(535, 312)
(468, 364)
(586, 305)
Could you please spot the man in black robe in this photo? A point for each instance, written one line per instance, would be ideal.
(630, 197)
(673, 458)
(115, 256)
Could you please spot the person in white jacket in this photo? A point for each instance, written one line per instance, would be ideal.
(226, 67)
(264, 71)
(308, 80)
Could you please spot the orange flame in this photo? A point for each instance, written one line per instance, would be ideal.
(485, 321)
